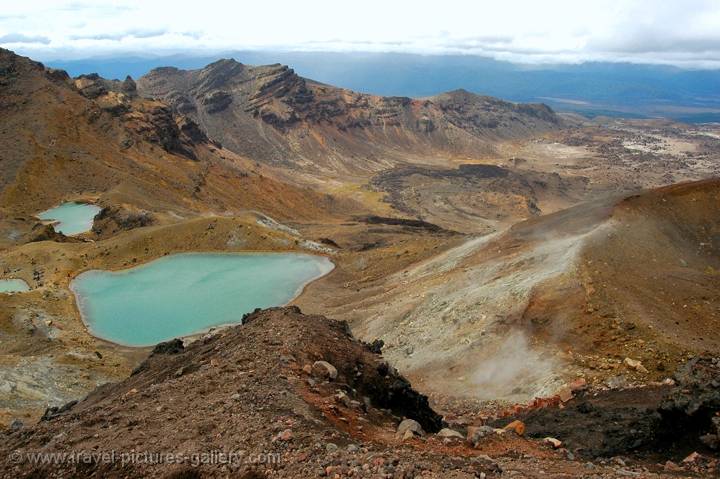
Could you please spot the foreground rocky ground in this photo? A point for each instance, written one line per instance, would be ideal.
(292, 395)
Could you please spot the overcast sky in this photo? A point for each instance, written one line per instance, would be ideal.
(678, 32)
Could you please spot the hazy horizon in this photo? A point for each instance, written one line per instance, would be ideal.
(591, 88)
(683, 34)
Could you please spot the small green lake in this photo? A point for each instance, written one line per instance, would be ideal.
(183, 294)
(71, 218)
(13, 286)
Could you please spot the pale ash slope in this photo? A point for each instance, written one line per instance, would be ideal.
(518, 313)
(271, 114)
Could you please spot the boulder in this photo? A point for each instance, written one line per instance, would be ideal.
(410, 425)
(343, 399)
(449, 433)
(634, 364)
(376, 346)
(552, 442)
(174, 346)
(565, 393)
(580, 384)
(54, 411)
(518, 427)
(324, 370)
(476, 433)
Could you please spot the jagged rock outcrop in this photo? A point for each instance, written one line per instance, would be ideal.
(128, 86)
(151, 121)
(113, 219)
(92, 85)
(216, 101)
(46, 232)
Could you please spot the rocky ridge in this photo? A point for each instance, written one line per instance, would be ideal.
(300, 117)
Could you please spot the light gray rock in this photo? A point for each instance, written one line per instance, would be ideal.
(343, 399)
(476, 433)
(410, 425)
(450, 433)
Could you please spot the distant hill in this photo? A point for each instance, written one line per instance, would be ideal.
(616, 89)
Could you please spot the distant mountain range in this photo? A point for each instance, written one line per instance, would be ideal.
(62, 135)
(614, 89)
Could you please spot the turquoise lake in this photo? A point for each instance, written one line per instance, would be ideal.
(72, 218)
(13, 286)
(183, 294)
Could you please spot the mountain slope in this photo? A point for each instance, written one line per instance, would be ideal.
(95, 139)
(272, 114)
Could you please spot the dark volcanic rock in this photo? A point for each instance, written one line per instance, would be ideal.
(216, 101)
(174, 346)
(382, 220)
(644, 420)
(55, 411)
(392, 391)
(376, 346)
(128, 86)
(191, 130)
(482, 171)
(113, 219)
(46, 232)
(159, 125)
(91, 85)
(57, 75)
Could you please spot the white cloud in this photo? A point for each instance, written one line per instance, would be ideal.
(680, 32)
(22, 38)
